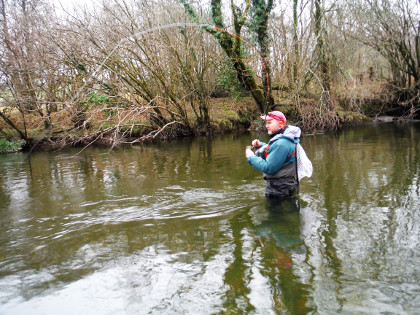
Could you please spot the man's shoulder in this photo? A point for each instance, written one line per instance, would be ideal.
(282, 141)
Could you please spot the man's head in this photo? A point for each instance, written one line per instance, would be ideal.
(274, 121)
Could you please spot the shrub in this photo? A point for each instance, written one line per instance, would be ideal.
(10, 146)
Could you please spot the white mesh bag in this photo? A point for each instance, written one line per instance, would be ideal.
(304, 165)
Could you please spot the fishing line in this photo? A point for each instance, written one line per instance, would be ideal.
(161, 27)
(268, 92)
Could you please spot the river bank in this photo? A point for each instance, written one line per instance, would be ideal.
(102, 125)
(108, 140)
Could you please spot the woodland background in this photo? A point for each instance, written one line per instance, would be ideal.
(126, 71)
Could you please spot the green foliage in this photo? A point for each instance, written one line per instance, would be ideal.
(10, 146)
(351, 118)
(100, 100)
(229, 80)
(97, 99)
(258, 24)
(216, 8)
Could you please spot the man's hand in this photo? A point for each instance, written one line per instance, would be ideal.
(248, 152)
(256, 143)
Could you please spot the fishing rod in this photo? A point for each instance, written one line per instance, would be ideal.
(161, 27)
(264, 67)
(184, 24)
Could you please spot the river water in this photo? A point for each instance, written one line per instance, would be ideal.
(183, 227)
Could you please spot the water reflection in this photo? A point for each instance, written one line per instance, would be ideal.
(284, 250)
(181, 225)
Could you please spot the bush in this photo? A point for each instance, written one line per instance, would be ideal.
(10, 146)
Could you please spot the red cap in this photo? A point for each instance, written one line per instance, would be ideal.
(274, 115)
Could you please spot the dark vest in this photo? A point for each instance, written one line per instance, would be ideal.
(284, 183)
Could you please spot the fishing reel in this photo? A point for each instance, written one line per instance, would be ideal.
(260, 152)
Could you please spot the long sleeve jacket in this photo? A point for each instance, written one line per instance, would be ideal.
(281, 150)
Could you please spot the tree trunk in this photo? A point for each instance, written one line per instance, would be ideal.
(322, 53)
(260, 25)
(295, 43)
(231, 43)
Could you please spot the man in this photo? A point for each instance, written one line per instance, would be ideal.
(277, 159)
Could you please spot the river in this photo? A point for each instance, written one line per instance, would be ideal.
(183, 227)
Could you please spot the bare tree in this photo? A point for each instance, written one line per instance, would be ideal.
(393, 29)
(140, 75)
(26, 64)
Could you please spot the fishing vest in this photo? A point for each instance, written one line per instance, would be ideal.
(287, 170)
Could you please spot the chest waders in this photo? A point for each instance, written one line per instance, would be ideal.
(284, 183)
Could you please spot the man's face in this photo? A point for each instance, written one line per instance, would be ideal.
(272, 126)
